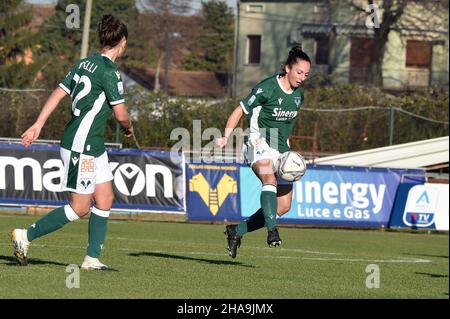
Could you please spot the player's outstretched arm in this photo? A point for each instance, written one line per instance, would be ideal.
(32, 133)
(123, 118)
(233, 120)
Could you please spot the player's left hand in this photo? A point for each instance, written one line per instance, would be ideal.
(30, 135)
(128, 132)
(222, 141)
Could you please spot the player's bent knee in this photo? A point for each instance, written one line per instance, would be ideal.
(268, 179)
(264, 168)
(283, 210)
(105, 201)
(103, 206)
(109, 199)
(81, 211)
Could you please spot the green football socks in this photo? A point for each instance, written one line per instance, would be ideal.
(98, 222)
(269, 205)
(265, 216)
(54, 220)
(254, 222)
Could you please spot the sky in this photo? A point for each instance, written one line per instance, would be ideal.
(196, 4)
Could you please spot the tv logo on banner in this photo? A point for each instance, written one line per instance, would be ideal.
(420, 206)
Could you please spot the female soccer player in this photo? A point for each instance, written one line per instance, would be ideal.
(271, 110)
(96, 90)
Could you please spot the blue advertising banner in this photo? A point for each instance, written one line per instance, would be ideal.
(143, 180)
(335, 195)
(421, 206)
(212, 192)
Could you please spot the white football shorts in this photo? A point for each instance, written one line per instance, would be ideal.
(258, 149)
(82, 172)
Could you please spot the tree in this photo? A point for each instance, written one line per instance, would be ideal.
(163, 25)
(59, 48)
(213, 48)
(393, 12)
(16, 44)
(62, 45)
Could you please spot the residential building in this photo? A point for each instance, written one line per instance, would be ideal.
(339, 38)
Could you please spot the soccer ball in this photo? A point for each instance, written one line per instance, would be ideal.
(290, 166)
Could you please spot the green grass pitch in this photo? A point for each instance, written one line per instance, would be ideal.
(183, 260)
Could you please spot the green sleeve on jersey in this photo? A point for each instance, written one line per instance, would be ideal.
(257, 97)
(113, 87)
(66, 84)
(302, 100)
(291, 125)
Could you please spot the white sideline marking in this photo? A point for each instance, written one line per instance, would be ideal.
(399, 260)
(304, 251)
(169, 242)
(394, 260)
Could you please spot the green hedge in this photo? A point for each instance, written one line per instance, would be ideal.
(155, 116)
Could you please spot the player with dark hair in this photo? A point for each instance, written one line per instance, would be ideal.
(271, 110)
(95, 87)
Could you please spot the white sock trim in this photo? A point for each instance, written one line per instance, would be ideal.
(269, 188)
(70, 213)
(99, 212)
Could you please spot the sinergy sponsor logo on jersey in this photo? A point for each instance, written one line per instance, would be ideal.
(129, 179)
(282, 115)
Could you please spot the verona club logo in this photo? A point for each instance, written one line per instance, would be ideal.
(213, 197)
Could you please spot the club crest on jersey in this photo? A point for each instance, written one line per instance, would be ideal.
(259, 91)
(280, 100)
(298, 101)
(85, 183)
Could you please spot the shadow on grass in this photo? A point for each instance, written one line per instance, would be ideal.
(431, 275)
(11, 261)
(209, 261)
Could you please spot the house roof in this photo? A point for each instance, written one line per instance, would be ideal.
(181, 83)
(421, 154)
(40, 14)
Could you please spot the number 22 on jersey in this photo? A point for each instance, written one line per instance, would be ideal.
(85, 91)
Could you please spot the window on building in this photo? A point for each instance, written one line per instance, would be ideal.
(418, 54)
(361, 51)
(254, 49)
(255, 8)
(322, 50)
